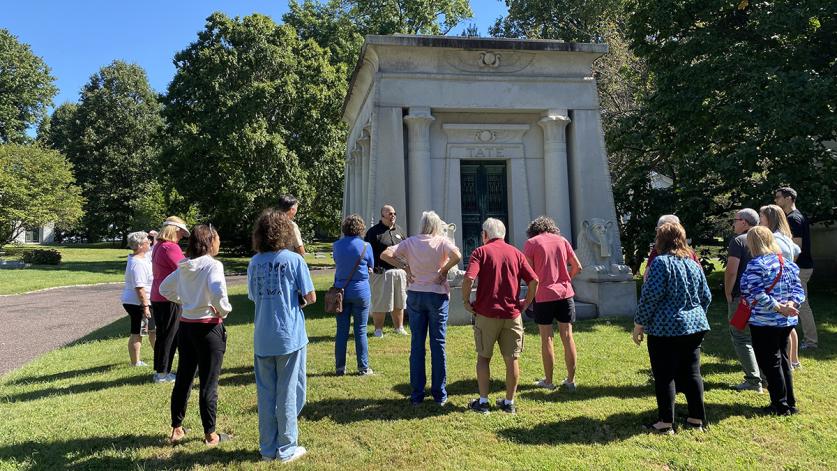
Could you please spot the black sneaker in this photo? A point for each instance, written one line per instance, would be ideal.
(658, 431)
(506, 407)
(477, 406)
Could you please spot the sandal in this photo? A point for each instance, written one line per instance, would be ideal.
(222, 437)
(177, 441)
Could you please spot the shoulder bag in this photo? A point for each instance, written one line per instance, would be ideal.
(334, 295)
(742, 313)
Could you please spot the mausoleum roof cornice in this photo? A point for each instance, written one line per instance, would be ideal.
(460, 42)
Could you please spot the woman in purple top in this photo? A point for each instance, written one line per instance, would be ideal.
(353, 277)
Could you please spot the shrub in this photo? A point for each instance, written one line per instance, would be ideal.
(42, 257)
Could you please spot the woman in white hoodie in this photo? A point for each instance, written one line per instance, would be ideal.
(199, 286)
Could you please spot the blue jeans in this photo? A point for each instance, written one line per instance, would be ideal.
(359, 309)
(428, 312)
(280, 392)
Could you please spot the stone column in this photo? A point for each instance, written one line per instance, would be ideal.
(357, 191)
(363, 142)
(420, 185)
(556, 173)
(346, 188)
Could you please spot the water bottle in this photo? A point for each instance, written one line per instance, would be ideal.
(144, 327)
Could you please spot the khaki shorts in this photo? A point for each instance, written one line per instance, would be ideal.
(507, 332)
(389, 290)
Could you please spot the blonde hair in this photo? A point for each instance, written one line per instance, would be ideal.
(776, 219)
(169, 233)
(760, 241)
(431, 223)
(671, 240)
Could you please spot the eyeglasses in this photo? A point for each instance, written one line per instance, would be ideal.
(392, 214)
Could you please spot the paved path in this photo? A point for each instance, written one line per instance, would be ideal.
(36, 323)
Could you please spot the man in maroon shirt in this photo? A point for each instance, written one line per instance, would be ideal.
(499, 267)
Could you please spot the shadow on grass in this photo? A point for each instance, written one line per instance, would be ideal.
(584, 393)
(345, 411)
(616, 427)
(63, 375)
(93, 386)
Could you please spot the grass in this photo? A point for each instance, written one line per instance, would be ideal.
(82, 407)
(86, 264)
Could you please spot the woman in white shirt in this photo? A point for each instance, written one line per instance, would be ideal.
(135, 294)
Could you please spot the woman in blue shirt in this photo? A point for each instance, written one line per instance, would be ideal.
(672, 311)
(773, 314)
(276, 278)
(353, 260)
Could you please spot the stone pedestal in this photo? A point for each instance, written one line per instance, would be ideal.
(457, 315)
(612, 298)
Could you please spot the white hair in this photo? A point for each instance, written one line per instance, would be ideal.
(667, 218)
(432, 224)
(494, 228)
(135, 239)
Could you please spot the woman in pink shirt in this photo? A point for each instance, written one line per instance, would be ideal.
(550, 254)
(429, 256)
(166, 313)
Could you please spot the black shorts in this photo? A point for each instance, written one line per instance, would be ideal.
(562, 310)
(135, 313)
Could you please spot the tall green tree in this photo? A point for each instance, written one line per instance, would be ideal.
(253, 112)
(111, 137)
(36, 187)
(743, 101)
(26, 88)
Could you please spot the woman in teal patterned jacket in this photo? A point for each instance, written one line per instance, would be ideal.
(773, 315)
(672, 312)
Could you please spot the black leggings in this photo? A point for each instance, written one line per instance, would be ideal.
(770, 344)
(677, 359)
(202, 348)
(167, 318)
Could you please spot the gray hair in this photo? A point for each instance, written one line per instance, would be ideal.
(432, 224)
(667, 218)
(749, 215)
(135, 239)
(494, 228)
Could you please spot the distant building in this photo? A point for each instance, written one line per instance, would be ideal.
(37, 235)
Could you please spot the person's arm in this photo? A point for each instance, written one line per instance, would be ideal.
(168, 288)
(304, 284)
(218, 290)
(299, 246)
(730, 272)
(390, 255)
(454, 256)
(251, 281)
(146, 309)
(575, 263)
(467, 284)
(653, 293)
(527, 273)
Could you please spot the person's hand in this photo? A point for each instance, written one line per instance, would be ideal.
(788, 310)
(442, 277)
(638, 334)
(523, 304)
(214, 311)
(729, 298)
(410, 277)
(469, 307)
(146, 312)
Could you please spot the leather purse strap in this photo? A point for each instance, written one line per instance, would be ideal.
(357, 264)
(775, 281)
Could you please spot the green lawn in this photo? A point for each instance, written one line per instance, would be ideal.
(100, 263)
(82, 407)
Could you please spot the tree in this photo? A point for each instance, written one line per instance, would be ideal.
(36, 187)
(26, 88)
(341, 25)
(111, 139)
(743, 101)
(253, 113)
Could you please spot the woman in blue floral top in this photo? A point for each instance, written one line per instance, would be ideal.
(672, 311)
(773, 315)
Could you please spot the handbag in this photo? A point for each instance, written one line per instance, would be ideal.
(742, 313)
(334, 295)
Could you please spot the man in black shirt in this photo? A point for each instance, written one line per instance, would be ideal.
(388, 284)
(785, 198)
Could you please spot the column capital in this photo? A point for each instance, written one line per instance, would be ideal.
(419, 115)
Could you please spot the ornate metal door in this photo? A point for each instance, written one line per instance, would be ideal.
(484, 195)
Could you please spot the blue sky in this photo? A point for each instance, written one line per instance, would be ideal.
(76, 38)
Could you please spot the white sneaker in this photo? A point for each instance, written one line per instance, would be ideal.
(379, 333)
(298, 453)
(170, 378)
(541, 383)
(401, 331)
(158, 378)
(140, 363)
(568, 386)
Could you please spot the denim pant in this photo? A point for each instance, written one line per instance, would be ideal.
(357, 308)
(280, 391)
(742, 343)
(428, 312)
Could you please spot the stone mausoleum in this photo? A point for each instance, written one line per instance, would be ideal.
(484, 127)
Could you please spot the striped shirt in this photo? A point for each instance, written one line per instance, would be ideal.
(757, 277)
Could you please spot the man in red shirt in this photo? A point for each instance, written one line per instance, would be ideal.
(499, 267)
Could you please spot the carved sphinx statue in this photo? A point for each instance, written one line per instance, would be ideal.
(455, 275)
(599, 254)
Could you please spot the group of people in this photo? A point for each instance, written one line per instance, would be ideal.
(383, 270)
(765, 284)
